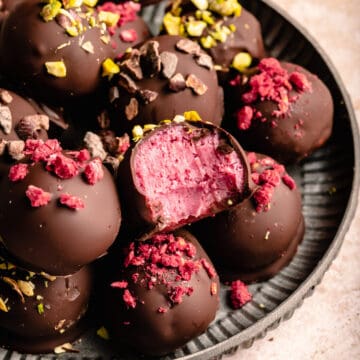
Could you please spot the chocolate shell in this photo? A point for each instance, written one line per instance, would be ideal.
(286, 135)
(156, 314)
(178, 174)
(45, 60)
(39, 312)
(158, 80)
(253, 243)
(65, 222)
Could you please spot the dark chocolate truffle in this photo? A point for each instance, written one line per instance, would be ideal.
(179, 173)
(67, 206)
(283, 111)
(39, 312)
(126, 28)
(224, 29)
(43, 48)
(161, 78)
(163, 294)
(258, 237)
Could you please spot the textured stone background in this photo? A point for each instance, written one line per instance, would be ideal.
(327, 326)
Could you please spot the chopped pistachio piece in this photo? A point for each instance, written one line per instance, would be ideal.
(195, 27)
(207, 42)
(241, 61)
(103, 333)
(72, 31)
(207, 17)
(91, 3)
(56, 68)
(172, 24)
(50, 10)
(192, 115)
(88, 47)
(201, 4)
(109, 18)
(26, 287)
(40, 308)
(68, 4)
(3, 306)
(109, 68)
(225, 7)
(137, 133)
(149, 127)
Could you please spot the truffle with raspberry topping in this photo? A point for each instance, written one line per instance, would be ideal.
(39, 312)
(258, 237)
(179, 173)
(67, 206)
(162, 294)
(282, 110)
(44, 46)
(161, 78)
(224, 29)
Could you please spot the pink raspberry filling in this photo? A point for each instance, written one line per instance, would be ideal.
(186, 175)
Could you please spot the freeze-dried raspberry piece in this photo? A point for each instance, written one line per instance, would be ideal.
(63, 166)
(129, 300)
(18, 172)
(71, 201)
(37, 196)
(239, 294)
(119, 284)
(94, 171)
(209, 268)
(43, 150)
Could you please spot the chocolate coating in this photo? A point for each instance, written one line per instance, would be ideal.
(144, 328)
(27, 42)
(303, 129)
(168, 103)
(254, 245)
(54, 238)
(139, 208)
(51, 314)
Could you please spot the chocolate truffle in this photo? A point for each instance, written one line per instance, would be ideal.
(163, 294)
(67, 206)
(224, 29)
(179, 173)
(283, 111)
(39, 312)
(124, 25)
(161, 78)
(43, 48)
(258, 237)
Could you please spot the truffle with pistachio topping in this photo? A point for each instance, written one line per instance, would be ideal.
(39, 312)
(44, 46)
(228, 32)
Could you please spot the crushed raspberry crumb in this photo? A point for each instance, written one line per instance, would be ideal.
(127, 11)
(129, 35)
(239, 294)
(37, 196)
(119, 284)
(213, 288)
(123, 144)
(289, 181)
(300, 81)
(244, 117)
(129, 300)
(94, 171)
(209, 268)
(71, 201)
(162, 310)
(41, 151)
(83, 155)
(63, 166)
(18, 172)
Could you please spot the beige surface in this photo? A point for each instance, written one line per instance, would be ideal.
(327, 326)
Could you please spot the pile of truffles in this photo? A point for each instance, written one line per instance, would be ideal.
(125, 159)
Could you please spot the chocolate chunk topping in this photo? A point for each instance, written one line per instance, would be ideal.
(113, 93)
(148, 96)
(205, 60)
(5, 97)
(103, 120)
(112, 163)
(132, 65)
(2, 146)
(177, 83)
(188, 46)
(132, 109)
(15, 149)
(94, 144)
(29, 126)
(169, 62)
(196, 84)
(5, 119)
(127, 83)
(150, 58)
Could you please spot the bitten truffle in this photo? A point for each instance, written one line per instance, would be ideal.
(163, 294)
(282, 110)
(161, 78)
(67, 206)
(179, 173)
(258, 237)
(224, 29)
(44, 46)
(39, 312)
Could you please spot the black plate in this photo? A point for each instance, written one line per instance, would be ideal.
(329, 182)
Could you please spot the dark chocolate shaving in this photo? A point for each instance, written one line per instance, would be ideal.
(132, 109)
(150, 58)
(188, 46)
(169, 62)
(177, 83)
(113, 93)
(132, 65)
(5, 119)
(126, 82)
(103, 120)
(148, 96)
(205, 61)
(194, 83)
